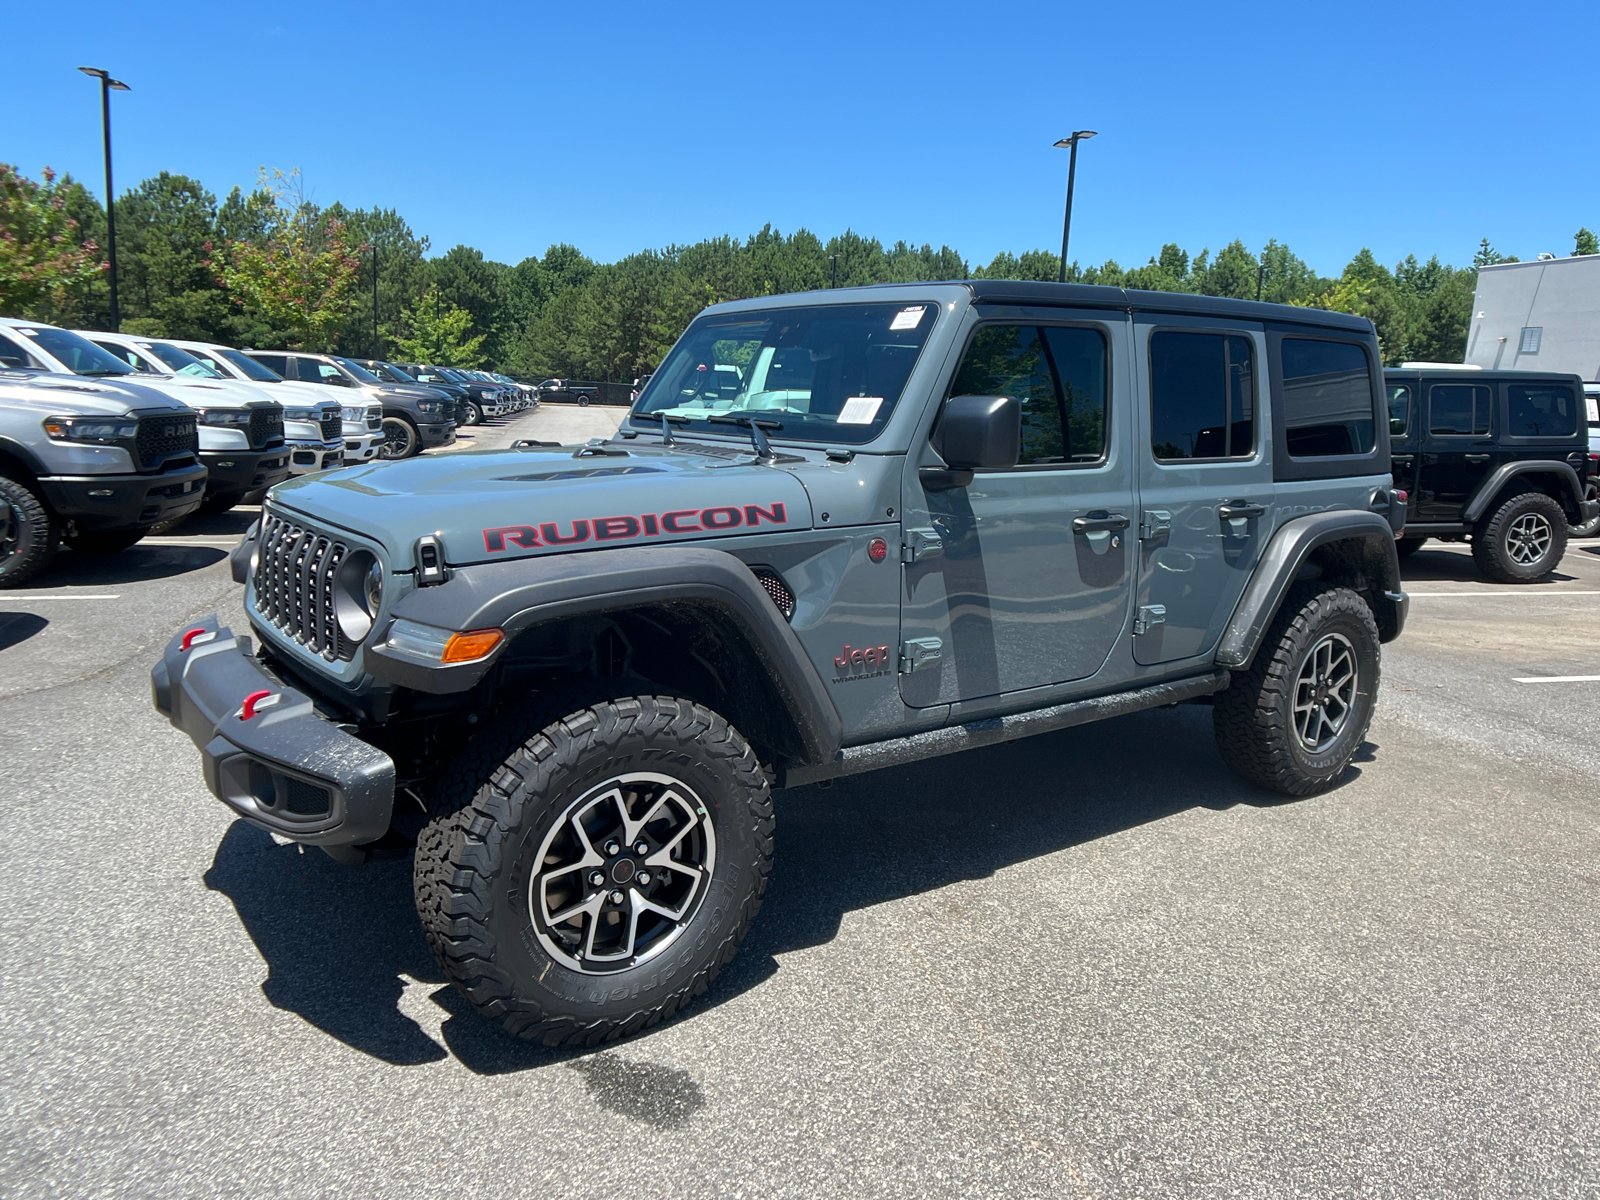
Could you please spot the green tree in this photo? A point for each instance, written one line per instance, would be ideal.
(1488, 256)
(435, 331)
(297, 271)
(166, 286)
(1585, 242)
(44, 269)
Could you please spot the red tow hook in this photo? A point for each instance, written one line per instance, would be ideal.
(189, 637)
(250, 703)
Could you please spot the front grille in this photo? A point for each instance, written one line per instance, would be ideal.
(266, 426)
(159, 438)
(374, 419)
(777, 589)
(295, 570)
(332, 426)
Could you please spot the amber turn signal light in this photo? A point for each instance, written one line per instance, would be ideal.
(471, 646)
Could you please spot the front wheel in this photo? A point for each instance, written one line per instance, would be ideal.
(472, 413)
(1292, 722)
(400, 439)
(30, 538)
(1522, 541)
(588, 881)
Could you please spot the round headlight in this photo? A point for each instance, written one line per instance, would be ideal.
(357, 591)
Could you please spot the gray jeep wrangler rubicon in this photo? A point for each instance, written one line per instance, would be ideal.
(838, 531)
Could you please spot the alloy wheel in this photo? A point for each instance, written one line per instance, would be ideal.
(1325, 692)
(1528, 540)
(399, 438)
(622, 872)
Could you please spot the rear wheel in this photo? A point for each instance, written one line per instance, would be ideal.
(1522, 541)
(32, 537)
(101, 542)
(1295, 719)
(1406, 547)
(589, 880)
(400, 439)
(583, 402)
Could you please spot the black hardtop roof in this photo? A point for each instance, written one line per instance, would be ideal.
(1024, 294)
(1463, 374)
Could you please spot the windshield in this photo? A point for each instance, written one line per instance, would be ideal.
(181, 361)
(250, 368)
(393, 373)
(356, 369)
(81, 356)
(830, 373)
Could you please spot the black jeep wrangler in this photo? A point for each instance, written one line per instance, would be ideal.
(1500, 458)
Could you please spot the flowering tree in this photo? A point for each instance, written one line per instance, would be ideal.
(41, 259)
(296, 269)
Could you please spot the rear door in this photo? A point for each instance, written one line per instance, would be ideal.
(1206, 495)
(1032, 581)
(1459, 450)
(1405, 410)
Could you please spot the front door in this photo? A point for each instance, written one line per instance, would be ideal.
(1459, 450)
(1022, 578)
(1206, 492)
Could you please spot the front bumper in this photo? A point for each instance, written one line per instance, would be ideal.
(286, 768)
(244, 470)
(306, 457)
(108, 502)
(361, 447)
(441, 434)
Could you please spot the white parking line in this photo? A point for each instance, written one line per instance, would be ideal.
(156, 541)
(1559, 679)
(1519, 593)
(4, 596)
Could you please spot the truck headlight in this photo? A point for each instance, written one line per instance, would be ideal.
(431, 407)
(357, 594)
(229, 418)
(90, 429)
(302, 414)
(356, 414)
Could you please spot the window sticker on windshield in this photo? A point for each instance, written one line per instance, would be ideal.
(859, 410)
(906, 318)
(1594, 409)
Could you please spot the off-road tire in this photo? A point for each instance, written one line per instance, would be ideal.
(475, 865)
(112, 542)
(400, 439)
(35, 535)
(1499, 542)
(1254, 719)
(1588, 529)
(1408, 546)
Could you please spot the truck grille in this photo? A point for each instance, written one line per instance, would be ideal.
(374, 418)
(266, 426)
(295, 567)
(332, 425)
(160, 438)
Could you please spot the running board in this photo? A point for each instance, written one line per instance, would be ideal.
(874, 756)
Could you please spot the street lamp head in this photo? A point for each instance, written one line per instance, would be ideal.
(116, 85)
(97, 72)
(1067, 143)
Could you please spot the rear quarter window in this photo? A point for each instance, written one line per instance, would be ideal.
(1328, 404)
(1541, 410)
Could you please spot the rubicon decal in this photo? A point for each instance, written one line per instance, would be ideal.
(615, 529)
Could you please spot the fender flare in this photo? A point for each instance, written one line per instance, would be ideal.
(1498, 478)
(522, 593)
(23, 455)
(1288, 551)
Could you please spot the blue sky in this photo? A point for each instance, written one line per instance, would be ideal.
(1409, 128)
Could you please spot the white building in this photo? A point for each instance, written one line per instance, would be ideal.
(1538, 316)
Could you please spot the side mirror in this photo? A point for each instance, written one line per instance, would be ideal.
(976, 432)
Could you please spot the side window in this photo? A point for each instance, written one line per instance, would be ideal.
(1202, 395)
(13, 354)
(274, 362)
(123, 354)
(1009, 360)
(1458, 409)
(1327, 399)
(1542, 410)
(1399, 410)
(1079, 358)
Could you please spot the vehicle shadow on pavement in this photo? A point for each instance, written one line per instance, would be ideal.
(337, 939)
(18, 627)
(1438, 566)
(136, 564)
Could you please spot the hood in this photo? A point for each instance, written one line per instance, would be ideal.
(410, 391)
(209, 393)
(490, 505)
(74, 394)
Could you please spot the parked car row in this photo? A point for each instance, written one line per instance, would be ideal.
(108, 437)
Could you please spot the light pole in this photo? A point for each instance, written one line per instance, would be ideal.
(374, 298)
(1070, 143)
(107, 86)
(833, 270)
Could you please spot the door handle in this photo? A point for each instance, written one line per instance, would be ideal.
(1405, 460)
(1238, 510)
(1476, 458)
(1100, 523)
(1429, 459)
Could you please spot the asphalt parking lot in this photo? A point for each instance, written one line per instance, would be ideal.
(1089, 964)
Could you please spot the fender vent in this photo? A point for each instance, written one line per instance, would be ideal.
(777, 589)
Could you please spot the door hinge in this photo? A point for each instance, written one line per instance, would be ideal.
(1154, 523)
(921, 544)
(1148, 617)
(916, 653)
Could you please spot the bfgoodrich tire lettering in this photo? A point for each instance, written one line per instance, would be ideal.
(1296, 718)
(1522, 541)
(480, 857)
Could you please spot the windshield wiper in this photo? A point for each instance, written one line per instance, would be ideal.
(666, 426)
(104, 374)
(764, 451)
